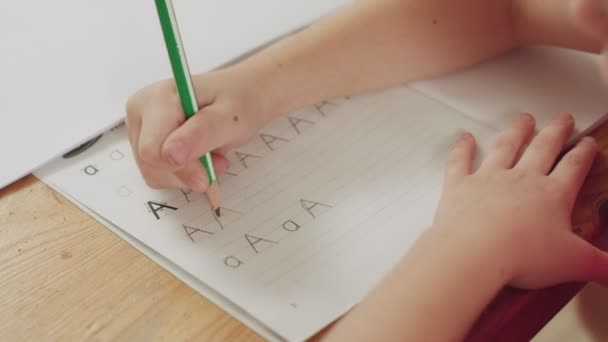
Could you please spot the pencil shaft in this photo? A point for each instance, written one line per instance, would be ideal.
(181, 72)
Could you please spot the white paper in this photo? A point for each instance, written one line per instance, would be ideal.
(369, 169)
(541, 81)
(68, 67)
(326, 211)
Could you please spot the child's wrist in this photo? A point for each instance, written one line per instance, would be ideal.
(281, 88)
(491, 249)
(263, 87)
(239, 86)
(251, 87)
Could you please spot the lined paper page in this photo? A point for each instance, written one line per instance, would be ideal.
(316, 208)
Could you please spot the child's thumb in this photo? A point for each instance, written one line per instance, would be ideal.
(584, 262)
(204, 132)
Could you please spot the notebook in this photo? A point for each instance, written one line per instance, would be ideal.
(70, 65)
(320, 204)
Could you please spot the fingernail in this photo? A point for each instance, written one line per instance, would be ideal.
(588, 139)
(527, 117)
(465, 136)
(176, 153)
(566, 117)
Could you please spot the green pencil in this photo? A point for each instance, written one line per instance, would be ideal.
(185, 88)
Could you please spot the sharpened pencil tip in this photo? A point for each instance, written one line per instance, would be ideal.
(214, 199)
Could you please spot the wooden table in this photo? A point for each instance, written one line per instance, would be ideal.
(63, 276)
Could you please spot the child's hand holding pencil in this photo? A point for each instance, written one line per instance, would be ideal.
(167, 147)
(363, 47)
(172, 152)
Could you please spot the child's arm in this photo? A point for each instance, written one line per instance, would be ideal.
(506, 223)
(374, 44)
(368, 45)
(381, 43)
(573, 24)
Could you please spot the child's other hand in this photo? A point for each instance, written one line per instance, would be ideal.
(520, 208)
(592, 16)
(167, 148)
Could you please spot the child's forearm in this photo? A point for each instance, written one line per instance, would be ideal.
(435, 293)
(374, 44)
(542, 22)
